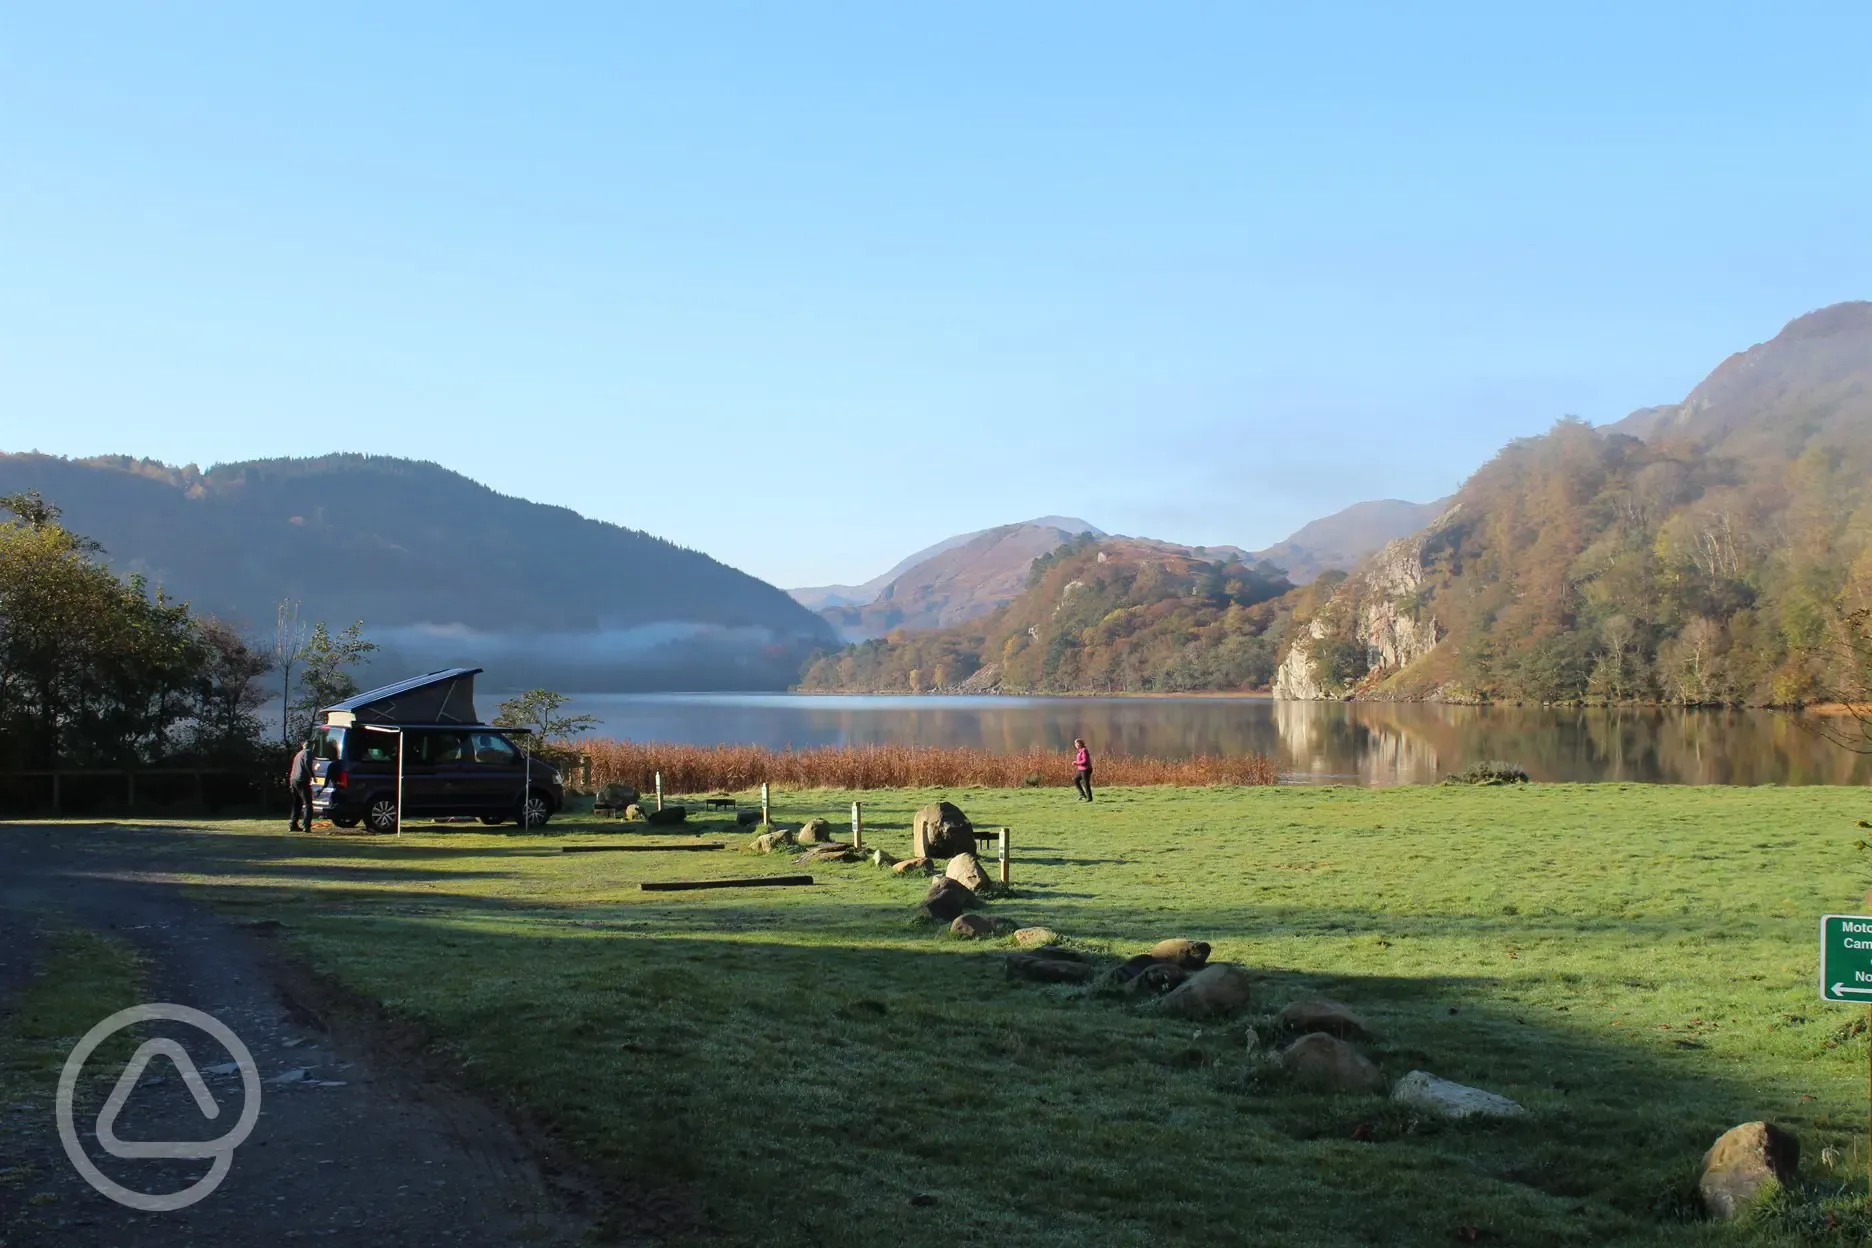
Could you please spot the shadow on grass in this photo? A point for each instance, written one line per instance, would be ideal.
(808, 1080)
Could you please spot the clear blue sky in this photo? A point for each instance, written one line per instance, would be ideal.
(808, 286)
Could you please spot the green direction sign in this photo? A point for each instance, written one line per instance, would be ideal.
(1846, 957)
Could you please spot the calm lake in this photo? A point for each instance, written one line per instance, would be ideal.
(1348, 743)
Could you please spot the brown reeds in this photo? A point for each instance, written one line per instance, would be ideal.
(735, 768)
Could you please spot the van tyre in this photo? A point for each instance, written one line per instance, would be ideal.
(381, 814)
(493, 821)
(344, 821)
(535, 810)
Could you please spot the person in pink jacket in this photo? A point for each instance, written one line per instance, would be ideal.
(1082, 770)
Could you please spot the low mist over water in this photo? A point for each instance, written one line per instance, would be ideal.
(1329, 742)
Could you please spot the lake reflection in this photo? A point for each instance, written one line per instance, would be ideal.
(1359, 742)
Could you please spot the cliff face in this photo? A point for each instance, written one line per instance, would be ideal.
(1380, 611)
(1297, 678)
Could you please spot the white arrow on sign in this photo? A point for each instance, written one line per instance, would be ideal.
(1863, 992)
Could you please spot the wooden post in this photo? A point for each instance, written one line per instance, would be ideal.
(659, 788)
(857, 826)
(766, 807)
(1004, 856)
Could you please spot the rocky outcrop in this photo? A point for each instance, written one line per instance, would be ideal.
(1296, 679)
(1381, 608)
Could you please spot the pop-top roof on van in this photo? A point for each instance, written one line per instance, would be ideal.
(445, 697)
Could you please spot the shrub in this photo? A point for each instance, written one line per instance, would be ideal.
(1490, 773)
(737, 768)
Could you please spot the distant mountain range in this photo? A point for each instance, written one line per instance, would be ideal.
(970, 575)
(821, 597)
(955, 580)
(441, 570)
(1695, 553)
(1337, 543)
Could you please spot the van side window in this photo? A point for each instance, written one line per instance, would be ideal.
(372, 747)
(443, 747)
(494, 750)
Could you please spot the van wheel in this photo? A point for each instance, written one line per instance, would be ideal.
(381, 814)
(535, 810)
(348, 821)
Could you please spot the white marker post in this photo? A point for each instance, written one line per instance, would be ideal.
(766, 808)
(857, 826)
(659, 790)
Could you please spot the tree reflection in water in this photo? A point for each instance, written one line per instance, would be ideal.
(1350, 743)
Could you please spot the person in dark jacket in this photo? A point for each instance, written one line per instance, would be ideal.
(299, 780)
(1082, 770)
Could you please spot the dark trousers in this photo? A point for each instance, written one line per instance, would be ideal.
(302, 805)
(1082, 781)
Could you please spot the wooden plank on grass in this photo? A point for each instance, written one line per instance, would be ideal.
(758, 881)
(639, 849)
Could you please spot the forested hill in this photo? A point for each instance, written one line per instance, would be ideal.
(1117, 615)
(440, 568)
(1696, 553)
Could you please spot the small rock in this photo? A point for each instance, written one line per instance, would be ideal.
(827, 853)
(1188, 954)
(1251, 1042)
(1422, 1090)
(912, 865)
(633, 812)
(1037, 937)
(1326, 1063)
(1044, 968)
(946, 899)
(667, 816)
(814, 831)
(1328, 1016)
(966, 869)
(922, 1200)
(980, 927)
(154, 1081)
(224, 1068)
(746, 818)
(1744, 1165)
(1218, 989)
(289, 1076)
(1155, 980)
(1131, 968)
(881, 859)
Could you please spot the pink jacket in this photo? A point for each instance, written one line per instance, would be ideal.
(1082, 760)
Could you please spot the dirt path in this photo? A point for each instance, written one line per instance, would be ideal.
(354, 1143)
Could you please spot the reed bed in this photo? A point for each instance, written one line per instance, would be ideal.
(733, 768)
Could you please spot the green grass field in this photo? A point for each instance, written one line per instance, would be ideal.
(1636, 965)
